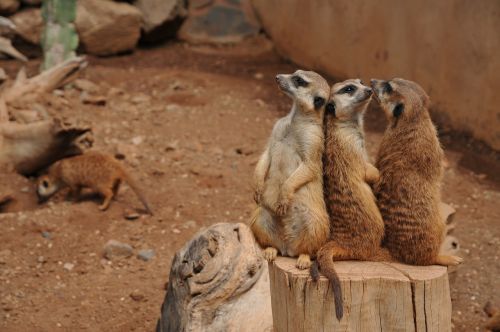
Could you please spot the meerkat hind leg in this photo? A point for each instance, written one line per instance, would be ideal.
(447, 260)
(108, 196)
(303, 262)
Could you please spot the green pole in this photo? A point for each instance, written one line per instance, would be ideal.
(59, 38)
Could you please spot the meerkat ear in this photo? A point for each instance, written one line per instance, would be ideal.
(398, 110)
(318, 102)
(330, 108)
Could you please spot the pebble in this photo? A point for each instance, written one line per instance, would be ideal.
(68, 266)
(137, 140)
(47, 235)
(146, 254)
(136, 295)
(116, 249)
(172, 108)
(131, 215)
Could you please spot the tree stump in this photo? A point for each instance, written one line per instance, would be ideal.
(377, 297)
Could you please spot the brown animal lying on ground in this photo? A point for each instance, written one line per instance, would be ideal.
(410, 162)
(99, 172)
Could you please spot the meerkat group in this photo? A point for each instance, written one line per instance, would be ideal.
(319, 196)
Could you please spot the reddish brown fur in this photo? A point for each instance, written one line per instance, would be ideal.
(410, 164)
(100, 172)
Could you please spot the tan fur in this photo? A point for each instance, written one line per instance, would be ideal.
(291, 216)
(357, 227)
(410, 164)
(99, 172)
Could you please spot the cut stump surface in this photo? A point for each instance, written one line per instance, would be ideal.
(377, 297)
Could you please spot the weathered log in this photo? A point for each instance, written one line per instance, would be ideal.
(30, 147)
(218, 282)
(377, 297)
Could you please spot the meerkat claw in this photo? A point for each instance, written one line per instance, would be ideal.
(303, 262)
(270, 254)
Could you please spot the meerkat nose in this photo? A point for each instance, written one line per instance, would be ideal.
(277, 78)
(369, 91)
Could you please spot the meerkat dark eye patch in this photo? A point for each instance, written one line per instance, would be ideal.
(350, 89)
(330, 108)
(299, 82)
(387, 87)
(318, 102)
(398, 110)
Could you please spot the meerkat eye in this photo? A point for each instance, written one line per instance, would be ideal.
(387, 87)
(299, 82)
(398, 110)
(318, 102)
(348, 89)
(330, 108)
(45, 183)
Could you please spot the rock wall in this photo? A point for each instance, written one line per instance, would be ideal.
(450, 47)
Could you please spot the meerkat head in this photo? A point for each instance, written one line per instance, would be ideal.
(348, 99)
(308, 89)
(46, 187)
(400, 99)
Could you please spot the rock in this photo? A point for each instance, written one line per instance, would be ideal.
(131, 215)
(219, 22)
(136, 295)
(8, 7)
(146, 254)
(29, 25)
(47, 235)
(107, 27)
(86, 85)
(68, 266)
(115, 249)
(88, 99)
(137, 140)
(218, 282)
(161, 17)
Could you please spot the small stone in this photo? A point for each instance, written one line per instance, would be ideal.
(58, 92)
(116, 249)
(86, 85)
(141, 99)
(131, 215)
(68, 266)
(146, 254)
(176, 231)
(47, 235)
(92, 100)
(172, 108)
(136, 295)
(258, 76)
(41, 259)
(25, 189)
(137, 140)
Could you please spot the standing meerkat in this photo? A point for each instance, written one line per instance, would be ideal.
(291, 215)
(410, 164)
(97, 171)
(356, 225)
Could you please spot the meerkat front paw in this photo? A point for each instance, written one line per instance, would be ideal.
(448, 260)
(303, 262)
(270, 254)
(281, 207)
(257, 196)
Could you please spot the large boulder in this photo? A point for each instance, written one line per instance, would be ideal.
(8, 7)
(29, 25)
(219, 21)
(218, 282)
(107, 27)
(161, 18)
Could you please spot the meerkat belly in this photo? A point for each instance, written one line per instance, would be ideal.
(284, 162)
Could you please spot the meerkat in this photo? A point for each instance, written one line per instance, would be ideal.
(97, 171)
(410, 164)
(356, 224)
(291, 215)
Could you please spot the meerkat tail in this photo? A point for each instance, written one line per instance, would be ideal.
(382, 255)
(327, 268)
(133, 184)
(314, 271)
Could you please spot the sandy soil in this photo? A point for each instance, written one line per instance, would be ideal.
(191, 123)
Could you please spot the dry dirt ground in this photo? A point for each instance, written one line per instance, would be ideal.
(191, 122)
